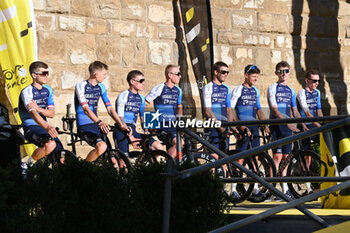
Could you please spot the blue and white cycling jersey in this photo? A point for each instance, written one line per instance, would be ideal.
(88, 95)
(166, 100)
(283, 97)
(246, 102)
(309, 101)
(43, 98)
(129, 105)
(218, 98)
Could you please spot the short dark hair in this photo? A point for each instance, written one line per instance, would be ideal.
(282, 64)
(219, 64)
(168, 67)
(311, 72)
(36, 65)
(251, 69)
(132, 74)
(97, 65)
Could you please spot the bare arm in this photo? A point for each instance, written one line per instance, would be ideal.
(308, 114)
(261, 116)
(116, 118)
(296, 114)
(103, 126)
(233, 117)
(209, 113)
(179, 111)
(40, 121)
(45, 112)
(276, 112)
(279, 115)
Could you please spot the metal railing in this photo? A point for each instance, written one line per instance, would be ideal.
(172, 173)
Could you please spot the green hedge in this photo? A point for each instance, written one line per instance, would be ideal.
(82, 197)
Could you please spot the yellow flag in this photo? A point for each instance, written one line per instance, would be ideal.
(17, 47)
(334, 148)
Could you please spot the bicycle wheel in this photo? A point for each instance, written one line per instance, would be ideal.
(63, 156)
(296, 168)
(266, 168)
(133, 156)
(243, 189)
(154, 156)
(203, 158)
(161, 156)
(119, 160)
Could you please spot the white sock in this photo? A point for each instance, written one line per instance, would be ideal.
(234, 187)
(285, 187)
(30, 160)
(308, 185)
(256, 188)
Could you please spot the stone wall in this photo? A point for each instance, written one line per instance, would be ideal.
(139, 34)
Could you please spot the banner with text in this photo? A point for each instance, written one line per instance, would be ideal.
(18, 47)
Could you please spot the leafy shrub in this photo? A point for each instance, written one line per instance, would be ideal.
(82, 197)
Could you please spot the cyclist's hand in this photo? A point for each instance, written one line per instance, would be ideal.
(124, 127)
(236, 133)
(317, 124)
(305, 128)
(51, 131)
(104, 127)
(293, 128)
(136, 144)
(33, 105)
(129, 131)
(233, 130)
(267, 130)
(245, 130)
(221, 130)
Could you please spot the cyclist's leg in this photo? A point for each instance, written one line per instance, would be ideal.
(256, 143)
(100, 148)
(278, 132)
(92, 135)
(121, 141)
(36, 135)
(281, 152)
(214, 139)
(156, 145)
(286, 150)
(172, 148)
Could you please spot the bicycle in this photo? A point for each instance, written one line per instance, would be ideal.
(197, 155)
(261, 164)
(147, 155)
(114, 157)
(302, 163)
(200, 156)
(56, 157)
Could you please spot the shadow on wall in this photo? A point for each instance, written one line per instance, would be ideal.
(322, 50)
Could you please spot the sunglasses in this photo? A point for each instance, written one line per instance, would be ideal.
(224, 72)
(251, 68)
(286, 71)
(139, 80)
(43, 73)
(314, 80)
(178, 73)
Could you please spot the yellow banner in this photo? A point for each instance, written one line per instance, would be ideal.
(17, 46)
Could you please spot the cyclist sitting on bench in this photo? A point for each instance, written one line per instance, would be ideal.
(35, 104)
(87, 95)
(129, 105)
